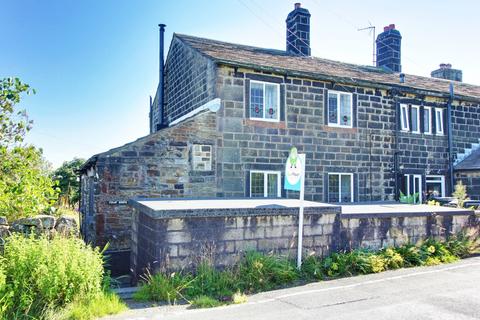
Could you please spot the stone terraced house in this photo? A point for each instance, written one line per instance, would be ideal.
(225, 116)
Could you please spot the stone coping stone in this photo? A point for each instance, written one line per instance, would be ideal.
(215, 207)
(391, 210)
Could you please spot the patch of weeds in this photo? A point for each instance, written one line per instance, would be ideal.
(393, 260)
(162, 287)
(312, 268)
(89, 309)
(213, 283)
(205, 302)
(411, 255)
(239, 298)
(260, 272)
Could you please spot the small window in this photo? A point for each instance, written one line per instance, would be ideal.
(202, 157)
(415, 119)
(264, 101)
(439, 121)
(435, 186)
(404, 117)
(340, 111)
(427, 120)
(265, 184)
(340, 187)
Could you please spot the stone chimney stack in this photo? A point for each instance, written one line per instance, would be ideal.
(298, 31)
(446, 72)
(389, 49)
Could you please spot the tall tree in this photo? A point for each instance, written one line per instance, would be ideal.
(68, 182)
(26, 187)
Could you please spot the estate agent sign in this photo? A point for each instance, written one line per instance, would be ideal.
(295, 181)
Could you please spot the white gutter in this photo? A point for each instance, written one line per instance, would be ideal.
(212, 105)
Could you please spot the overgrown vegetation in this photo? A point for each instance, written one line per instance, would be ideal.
(460, 194)
(25, 184)
(41, 276)
(255, 272)
(67, 180)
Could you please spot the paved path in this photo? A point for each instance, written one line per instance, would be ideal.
(443, 292)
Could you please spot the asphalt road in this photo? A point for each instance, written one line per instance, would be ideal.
(442, 292)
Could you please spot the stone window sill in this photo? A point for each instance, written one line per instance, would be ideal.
(264, 124)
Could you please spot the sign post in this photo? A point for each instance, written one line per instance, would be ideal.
(295, 180)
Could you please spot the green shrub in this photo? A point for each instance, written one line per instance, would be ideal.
(41, 274)
(312, 268)
(239, 298)
(213, 283)
(411, 255)
(433, 250)
(259, 272)
(161, 287)
(393, 260)
(462, 245)
(205, 302)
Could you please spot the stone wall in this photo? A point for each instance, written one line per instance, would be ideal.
(189, 81)
(465, 125)
(176, 242)
(158, 165)
(470, 179)
(367, 150)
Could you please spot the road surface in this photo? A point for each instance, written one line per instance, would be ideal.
(442, 292)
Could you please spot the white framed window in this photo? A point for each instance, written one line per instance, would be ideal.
(435, 185)
(427, 120)
(412, 186)
(264, 101)
(404, 117)
(340, 187)
(415, 119)
(265, 184)
(439, 121)
(340, 109)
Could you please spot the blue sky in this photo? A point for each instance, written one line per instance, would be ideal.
(95, 63)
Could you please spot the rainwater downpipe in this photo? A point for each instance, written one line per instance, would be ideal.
(450, 137)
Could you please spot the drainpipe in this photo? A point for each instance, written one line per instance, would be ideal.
(450, 137)
(161, 81)
(395, 154)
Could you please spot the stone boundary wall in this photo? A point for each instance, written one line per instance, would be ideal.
(179, 243)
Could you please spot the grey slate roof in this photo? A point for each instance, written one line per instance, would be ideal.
(317, 68)
(472, 162)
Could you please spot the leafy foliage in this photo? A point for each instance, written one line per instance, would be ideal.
(259, 272)
(67, 180)
(460, 194)
(162, 287)
(41, 274)
(205, 302)
(13, 123)
(409, 199)
(25, 186)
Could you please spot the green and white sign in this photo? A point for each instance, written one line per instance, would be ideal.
(295, 180)
(294, 169)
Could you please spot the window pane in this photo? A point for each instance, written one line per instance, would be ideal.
(426, 120)
(439, 121)
(257, 184)
(404, 118)
(333, 188)
(345, 110)
(272, 185)
(271, 101)
(415, 119)
(346, 181)
(332, 108)
(434, 189)
(256, 100)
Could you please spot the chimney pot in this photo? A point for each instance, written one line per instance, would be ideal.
(402, 77)
(298, 5)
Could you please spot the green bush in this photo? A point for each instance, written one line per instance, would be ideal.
(393, 260)
(411, 255)
(312, 268)
(259, 272)
(40, 274)
(210, 282)
(161, 287)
